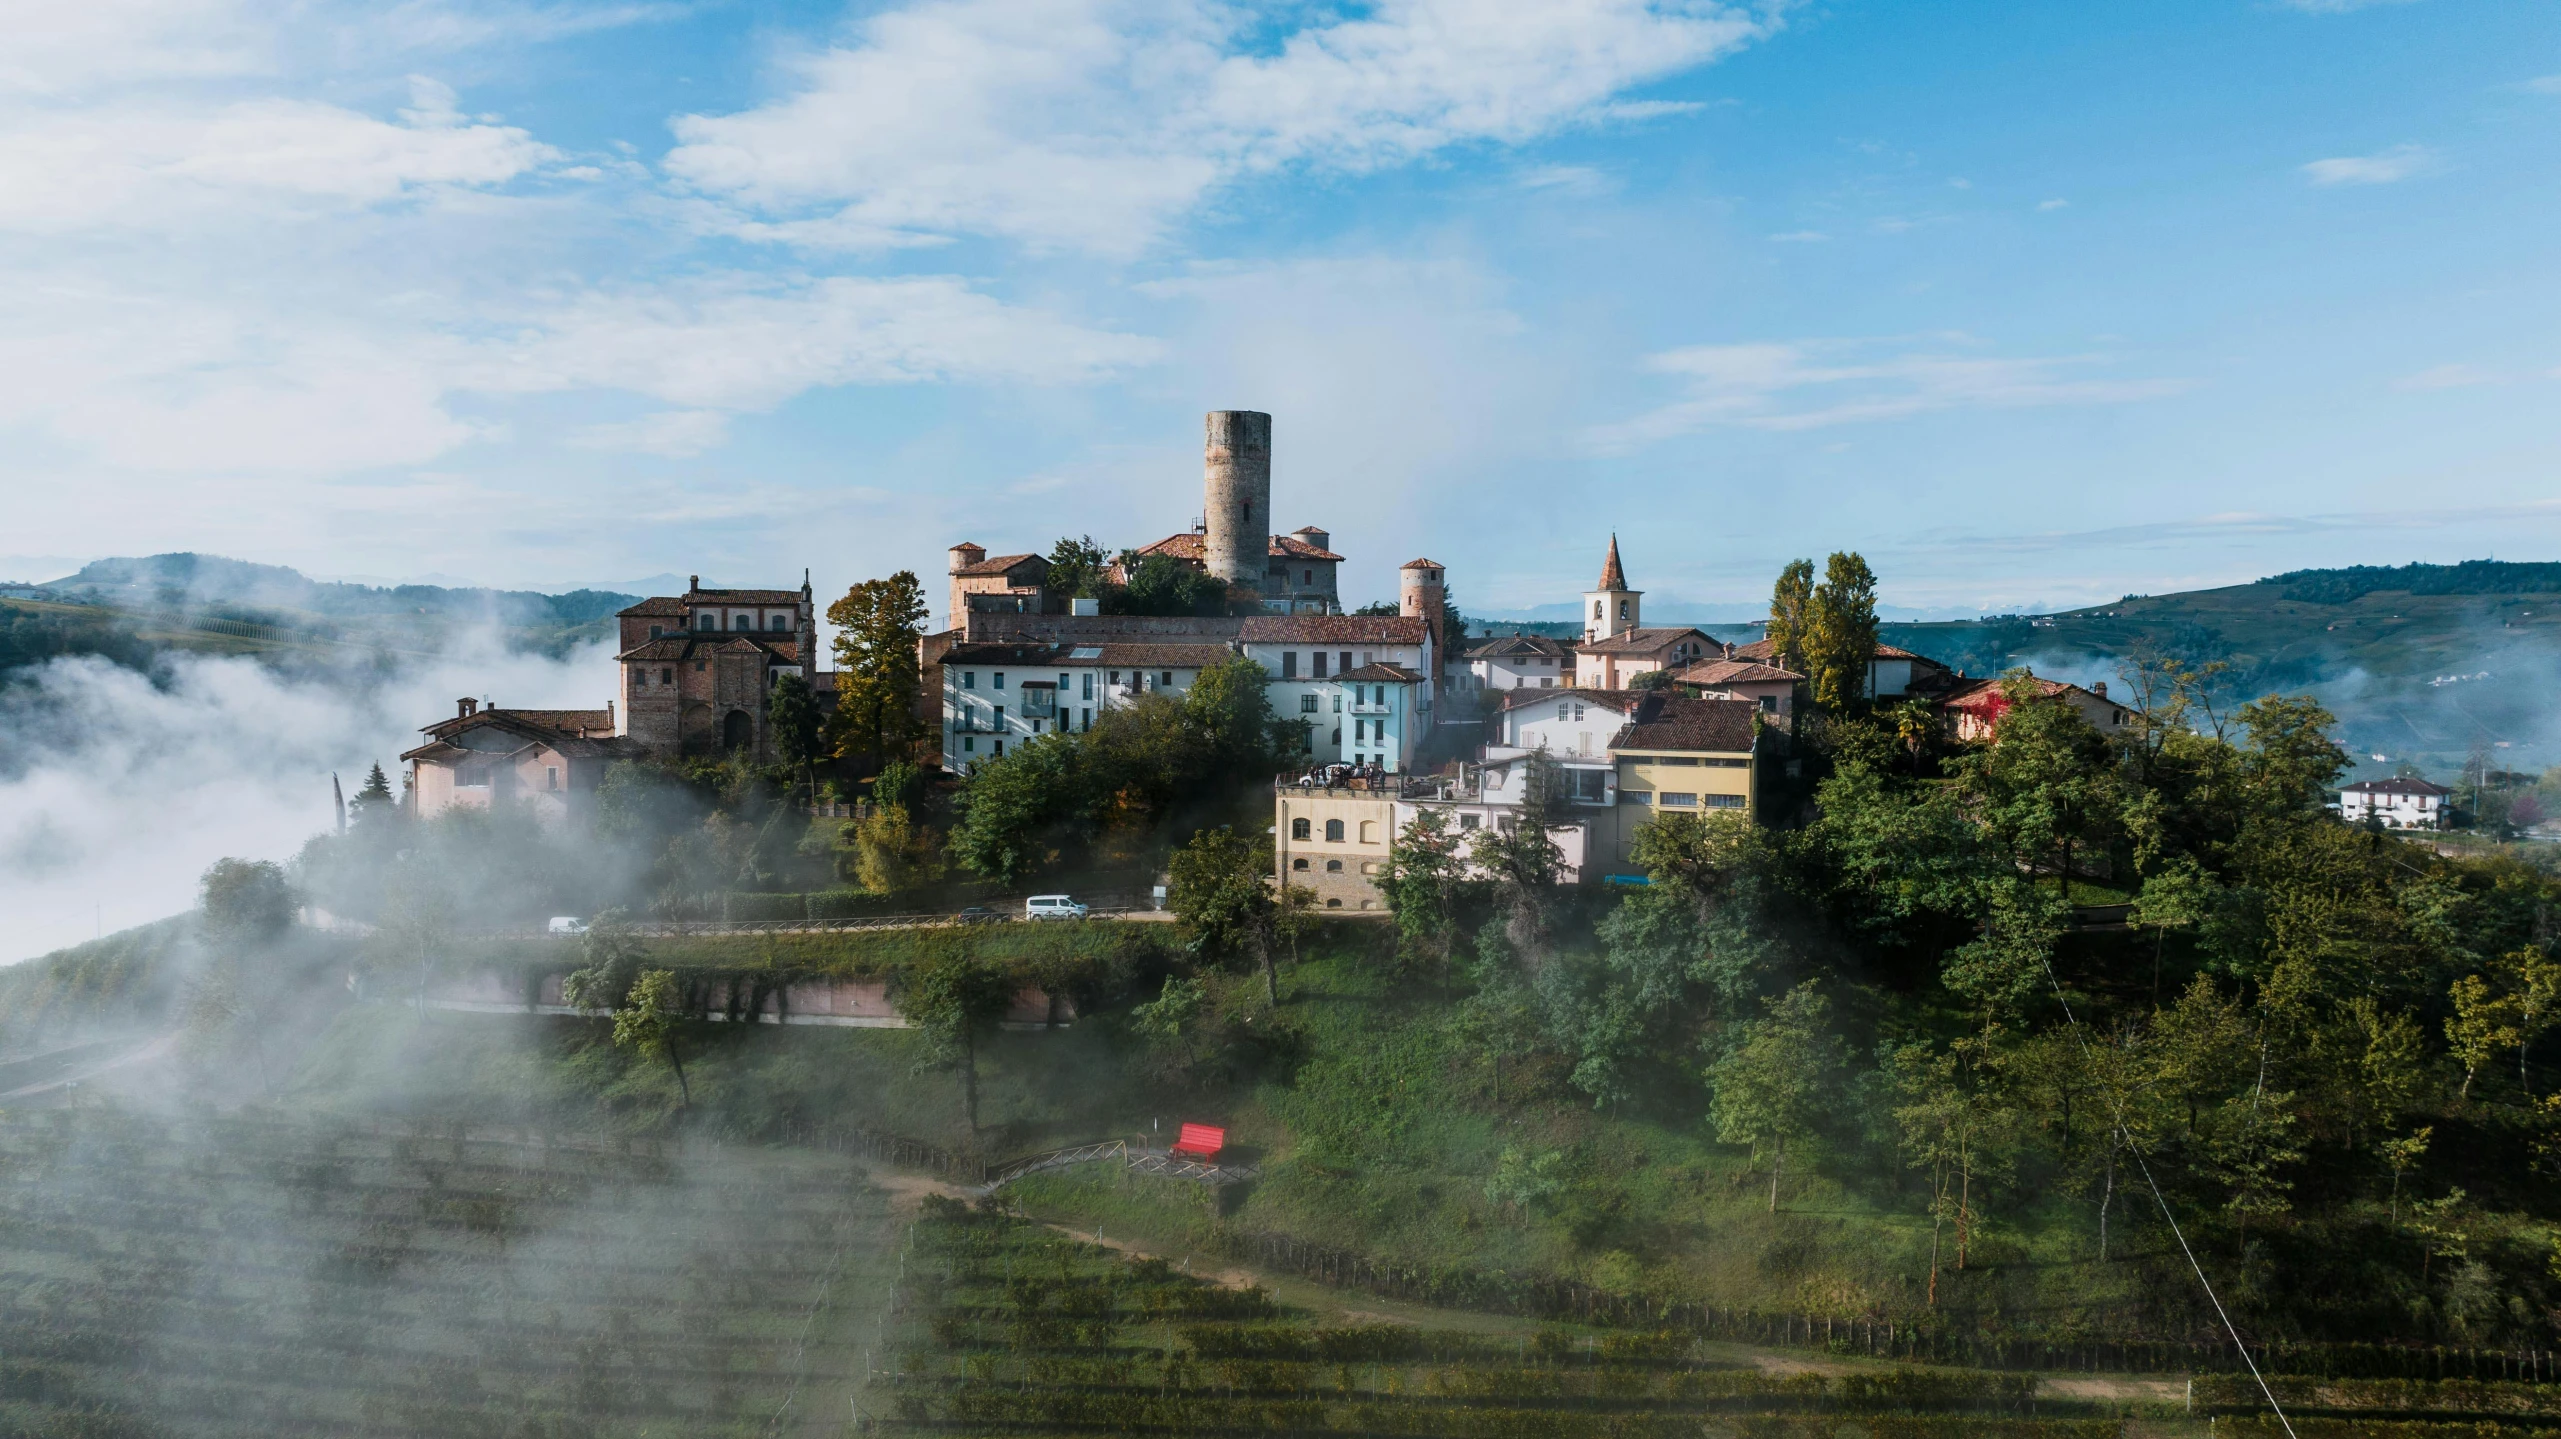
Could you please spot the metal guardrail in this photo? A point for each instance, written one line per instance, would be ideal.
(1101, 908)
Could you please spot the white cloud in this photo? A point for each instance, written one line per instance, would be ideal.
(170, 166)
(676, 433)
(1807, 385)
(2545, 84)
(2445, 377)
(2380, 168)
(2053, 204)
(1800, 237)
(1097, 124)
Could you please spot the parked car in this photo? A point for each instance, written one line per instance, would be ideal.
(979, 914)
(1052, 906)
(568, 924)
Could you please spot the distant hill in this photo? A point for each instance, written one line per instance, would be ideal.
(2423, 664)
(130, 610)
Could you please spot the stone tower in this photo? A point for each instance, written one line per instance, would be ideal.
(1237, 496)
(1421, 593)
(1613, 608)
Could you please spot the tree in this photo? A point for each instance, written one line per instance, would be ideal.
(651, 1019)
(879, 681)
(2290, 762)
(247, 902)
(2484, 1023)
(797, 727)
(1078, 569)
(1522, 861)
(373, 803)
(2048, 787)
(1015, 804)
(1222, 894)
(2533, 983)
(610, 956)
(1790, 599)
(2401, 1156)
(2177, 897)
(955, 999)
(1229, 709)
(1421, 879)
(1162, 585)
(892, 853)
(1776, 1084)
(1838, 639)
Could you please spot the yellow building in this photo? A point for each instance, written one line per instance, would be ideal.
(1333, 842)
(1681, 756)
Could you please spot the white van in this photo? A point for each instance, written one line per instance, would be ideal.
(568, 924)
(1052, 906)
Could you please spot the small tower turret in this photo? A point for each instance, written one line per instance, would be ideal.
(1612, 609)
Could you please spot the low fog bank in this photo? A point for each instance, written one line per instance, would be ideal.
(118, 788)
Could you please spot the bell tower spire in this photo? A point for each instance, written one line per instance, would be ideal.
(1611, 609)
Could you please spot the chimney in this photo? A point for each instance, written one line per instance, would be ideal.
(2099, 689)
(464, 708)
(692, 583)
(612, 726)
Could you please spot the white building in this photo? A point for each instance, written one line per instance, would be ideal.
(996, 696)
(1518, 662)
(2396, 803)
(1575, 723)
(1360, 684)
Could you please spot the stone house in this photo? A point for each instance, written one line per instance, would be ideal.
(487, 758)
(698, 669)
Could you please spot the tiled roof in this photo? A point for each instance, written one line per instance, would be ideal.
(1623, 701)
(652, 607)
(557, 728)
(1764, 651)
(1194, 546)
(1648, 641)
(1005, 654)
(1612, 576)
(1502, 646)
(2399, 785)
(744, 597)
(1381, 674)
(1334, 629)
(1676, 724)
(1734, 672)
(995, 565)
(1993, 693)
(1144, 656)
(1422, 565)
(691, 644)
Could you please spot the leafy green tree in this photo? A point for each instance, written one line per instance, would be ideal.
(899, 783)
(610, 957)
(1222, 894)
(1901, 866)
(894, 854)
(1774, 1087)
(2484, 1024)
(1078, 569)
(1017, 807)
(247, 902)
(1523, 1182)
(2290, 762)
(1421, 881)
(798, 730)
(2048, 788)
(955, 1000)
(2248, 1151)
(651, 1020)
(1523, 862)
(2179, 896)
(1791, 601)
(1160, 585)
(1229, 708)
(2400, 1156)
(2533, 984)
(2010, 964)
(879, 678)
(1838, 640)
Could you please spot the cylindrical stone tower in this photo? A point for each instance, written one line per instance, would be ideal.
(1422, 593)
(1237, 496)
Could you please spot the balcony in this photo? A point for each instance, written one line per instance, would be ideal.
(1370, 709)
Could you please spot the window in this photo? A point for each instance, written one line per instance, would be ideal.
(969, 742)
(704, 621)
(777, 622)
(700, 666)
(1333, 904)
(1769, 704)
(1088, 686)
(1113, 678)
(1084, 719)
(1334, 831)
(1338, 704)
(551, 776)
(742, 622)
(656, 630)
(639, 676)
(1634, 796)
(1724, 801)
(1333, 866)
(969, 679)
(1298, 864)
(1299, 828)
(1596, 609)
(996, 680)
(1674, 799)
(1565, 711)
(1346, 665)
(1622, 609)
(1307, 704)
(1471, 821)
(1547, 682)
(1369, 831)
(474, 777)
(1289, 664)
(1166, 679)
(667, 676)
(1316, 664)
(1578, 711)
(1000, 749)
(1000, 717)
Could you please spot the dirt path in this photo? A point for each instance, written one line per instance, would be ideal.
(143, 1054)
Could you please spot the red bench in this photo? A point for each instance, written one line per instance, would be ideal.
(1200, 1140)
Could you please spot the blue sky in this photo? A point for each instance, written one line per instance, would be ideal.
(2032, 304)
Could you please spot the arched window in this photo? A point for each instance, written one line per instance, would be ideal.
(778, 622)
(1298, 829)
(737, 730)
(743, 622)
(1334, 831)
(1622, 609)
(1596, 609)
(1298, 864)
(1333, 866)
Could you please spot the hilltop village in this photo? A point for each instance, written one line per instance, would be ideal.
(1398, 710)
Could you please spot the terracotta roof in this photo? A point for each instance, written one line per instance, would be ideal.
(1623, 701)
(1764, 651)
(1334, 629)
(2399, 785)
(1647, 641)
(1146, 656)
(1991, 693)
(1734, 672)
(1382, 674)
(556, 728)
(656, 605)
(995, 565)
(1502, 645)
(1005, 654)
(1194, 546)
(1422, 565)
(745, 597)
(1612, 576)
(690, 644)
(1677, 724)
